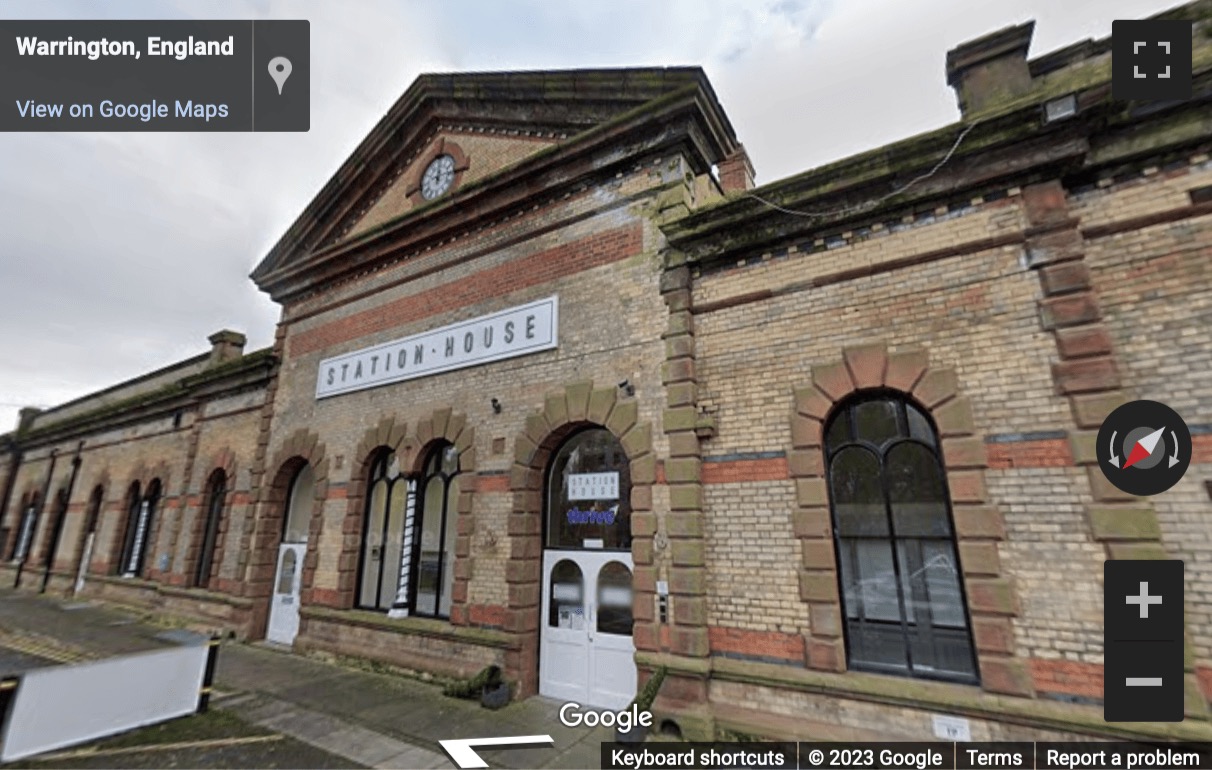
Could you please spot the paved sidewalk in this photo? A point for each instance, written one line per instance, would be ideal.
(373, 720)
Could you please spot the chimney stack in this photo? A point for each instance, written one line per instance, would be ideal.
(736, 172)
(991, 69)
(226, 345)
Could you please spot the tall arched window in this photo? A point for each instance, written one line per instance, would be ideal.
(121, 543)
(386, 535)
(902, 594)
(139, 522)
(434, 544)
(25, 532)
(216, 496)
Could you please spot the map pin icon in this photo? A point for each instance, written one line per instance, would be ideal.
(279, 70)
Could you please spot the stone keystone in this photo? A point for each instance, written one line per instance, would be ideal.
(866, 364)
(555, 409)
(577, 397)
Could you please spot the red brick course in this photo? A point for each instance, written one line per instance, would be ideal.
(759, 644)
(735, 471)
(1048, 453)
(487, 615)
(1067, 677)
(534, 270)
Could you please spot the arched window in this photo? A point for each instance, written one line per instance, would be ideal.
(901, 592)
(122, 541)
(589, 494)
(434, 544)
(386, 535)
(216, 496)
(25, 533)
(139, 520)
(94, 509)
(299, 504)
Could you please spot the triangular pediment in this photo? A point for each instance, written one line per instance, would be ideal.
(476, 151)
(486, 123)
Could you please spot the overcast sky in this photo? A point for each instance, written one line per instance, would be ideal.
(120, 253)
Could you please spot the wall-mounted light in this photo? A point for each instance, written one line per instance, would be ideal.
(627, 387)
(496, 406)
(1059, 109)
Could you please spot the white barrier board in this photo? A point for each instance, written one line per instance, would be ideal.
(66, 705)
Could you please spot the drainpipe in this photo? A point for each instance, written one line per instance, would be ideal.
(60, 519)
(50, 473)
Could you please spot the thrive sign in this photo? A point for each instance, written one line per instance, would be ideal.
(506, 334)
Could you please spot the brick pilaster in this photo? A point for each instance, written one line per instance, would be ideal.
(1087, 373)
(685, 564)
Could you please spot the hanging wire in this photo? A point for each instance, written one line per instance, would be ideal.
(874, 203)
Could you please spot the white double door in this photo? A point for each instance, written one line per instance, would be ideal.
(586, 651)
(284, 602)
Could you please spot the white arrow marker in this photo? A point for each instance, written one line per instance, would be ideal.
(1114, 457)
(460, 750)
(1174, 457)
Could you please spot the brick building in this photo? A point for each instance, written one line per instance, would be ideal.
(556, 387)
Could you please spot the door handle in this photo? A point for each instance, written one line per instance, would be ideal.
(590, 612)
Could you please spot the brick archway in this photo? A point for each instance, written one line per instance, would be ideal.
(102, 483)
(302, 448)
(143, 476)
(565, 411)
(992, 598)
(392, 433)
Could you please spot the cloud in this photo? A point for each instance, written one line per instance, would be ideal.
(122, 252)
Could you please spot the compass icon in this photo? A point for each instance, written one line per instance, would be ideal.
(1144, 447)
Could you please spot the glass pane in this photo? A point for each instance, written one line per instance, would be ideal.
(286, 573)
(938, 634)
(839, 430)
(869, 594)
(919, 426)
(448, 560)
(858, 499)
(450, 460)
(567, 596)
(614, 599)
(299, 506)
(206, 551)
(393, 466)
(589, 494)
(393, 545)
(875, 421)
(915, 491)
(372, 544)
(431, 543)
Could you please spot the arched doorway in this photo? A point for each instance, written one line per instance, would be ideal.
(288, 577)
(586, 651)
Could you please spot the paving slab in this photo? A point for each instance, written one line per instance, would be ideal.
(369, 718)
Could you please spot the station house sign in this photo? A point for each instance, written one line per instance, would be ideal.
(508, 333)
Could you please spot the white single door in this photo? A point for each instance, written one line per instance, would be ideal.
(284, 604)
(586, 652)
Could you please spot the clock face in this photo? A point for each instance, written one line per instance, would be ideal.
(438, 177)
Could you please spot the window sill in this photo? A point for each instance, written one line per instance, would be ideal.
(427, 627)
